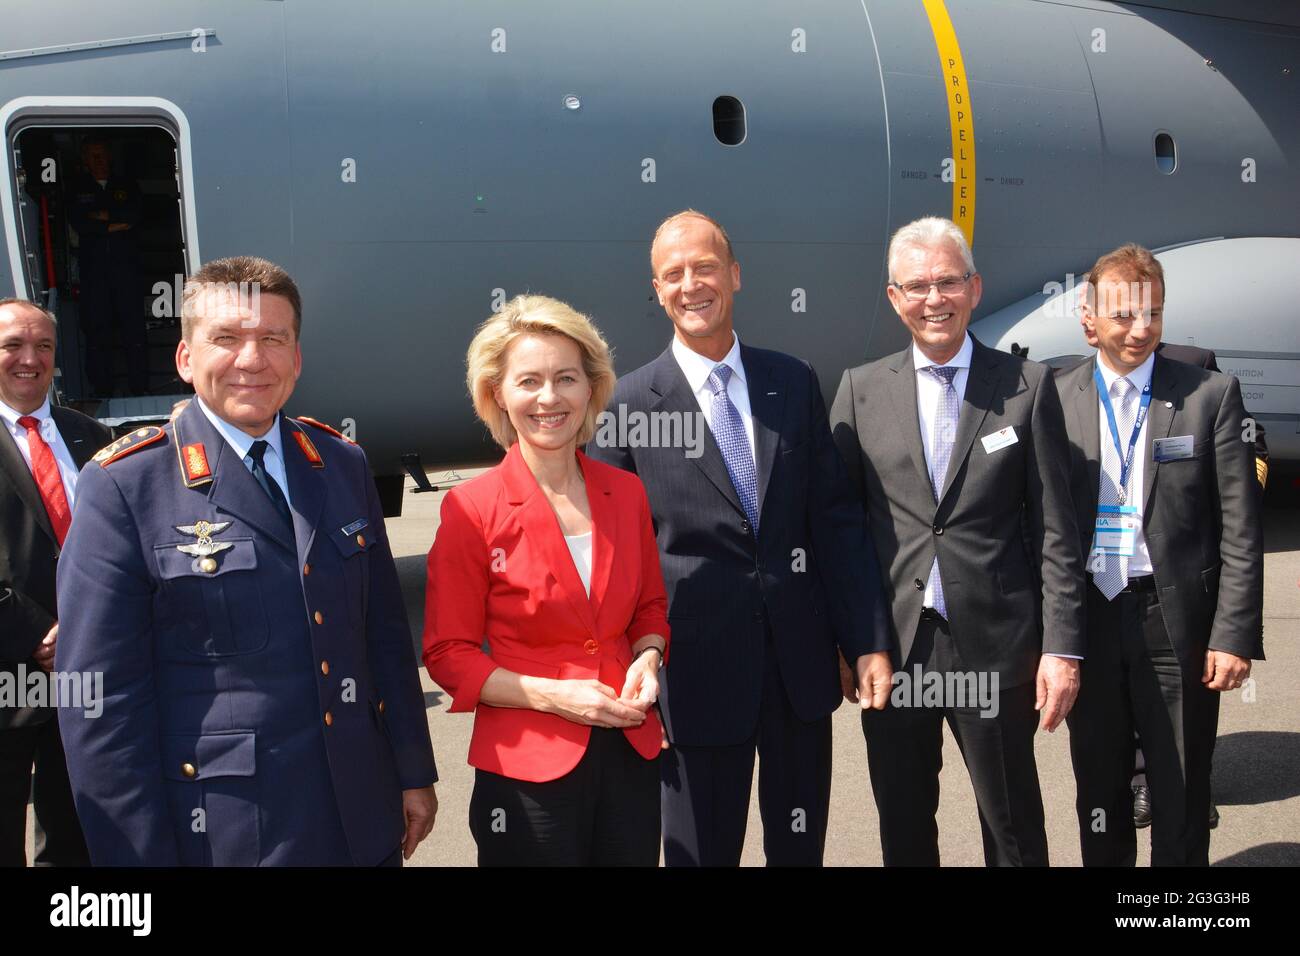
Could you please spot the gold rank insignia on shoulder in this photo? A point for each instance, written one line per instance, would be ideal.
(308, 449)
(325, 428)
(202, 551)
(127, 444)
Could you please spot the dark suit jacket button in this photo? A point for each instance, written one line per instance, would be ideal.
(920, 585)
(758, 616)
(744, 525)
(938, 529)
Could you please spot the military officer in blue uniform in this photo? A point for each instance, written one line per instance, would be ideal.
(230, 576)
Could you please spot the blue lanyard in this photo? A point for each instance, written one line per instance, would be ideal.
(1104, 393)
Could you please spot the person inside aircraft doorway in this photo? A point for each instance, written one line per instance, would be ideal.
(105, 209)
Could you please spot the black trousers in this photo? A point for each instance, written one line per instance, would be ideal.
(705, 793)
(603, 812)
(905, 755)
(59, 841)
(1132, 680)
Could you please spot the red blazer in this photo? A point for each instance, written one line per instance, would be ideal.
(500, 569)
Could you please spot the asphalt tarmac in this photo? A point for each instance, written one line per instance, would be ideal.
(1256, 762)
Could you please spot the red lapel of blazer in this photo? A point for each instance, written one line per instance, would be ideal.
(604, 521)
(543, 530)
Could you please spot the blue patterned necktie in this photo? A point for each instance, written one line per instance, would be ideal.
(268, 483)
(945, 432)
(1111, 574)
(729, 431)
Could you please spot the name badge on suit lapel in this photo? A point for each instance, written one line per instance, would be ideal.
(999, 439)
(1171, 449)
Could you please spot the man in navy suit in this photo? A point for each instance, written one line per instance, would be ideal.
(771, 574)
(230, 576)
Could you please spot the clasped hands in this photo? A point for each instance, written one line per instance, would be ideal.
(591, 702)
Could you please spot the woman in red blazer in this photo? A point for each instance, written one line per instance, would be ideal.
(550, 558)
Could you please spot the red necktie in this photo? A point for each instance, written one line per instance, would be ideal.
(46, 472)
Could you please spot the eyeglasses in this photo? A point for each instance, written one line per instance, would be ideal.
(948, 285)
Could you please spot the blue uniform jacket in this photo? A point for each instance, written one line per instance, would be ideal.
(261, 701)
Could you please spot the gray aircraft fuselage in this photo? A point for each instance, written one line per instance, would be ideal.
(415, 164)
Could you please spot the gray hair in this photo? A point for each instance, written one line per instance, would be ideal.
(32, 305)
(926, 232)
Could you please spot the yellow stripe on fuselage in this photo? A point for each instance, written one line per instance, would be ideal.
(960, 121)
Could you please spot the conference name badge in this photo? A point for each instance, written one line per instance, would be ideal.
(1171, 449)
(999, 439)
(1115, 531)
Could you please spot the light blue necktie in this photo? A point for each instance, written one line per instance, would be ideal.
(1112, 574)
(729, 431)
(945, 432)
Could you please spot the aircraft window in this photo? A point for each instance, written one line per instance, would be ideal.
(1166, 157)
(729, 120)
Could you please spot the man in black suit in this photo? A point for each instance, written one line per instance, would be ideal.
(1164, 483)
(959, 454)
(770, 572)
(41, 451)
(1206, 359)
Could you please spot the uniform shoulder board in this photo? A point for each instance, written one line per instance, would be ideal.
(325, 428)
(128, 444)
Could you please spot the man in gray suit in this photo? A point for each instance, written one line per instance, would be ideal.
(1168, 511)
(952, 447)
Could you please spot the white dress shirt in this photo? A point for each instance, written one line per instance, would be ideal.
(1139, 565)
(928, 391)
(49, 432)
(241, 441)
(580, 549)
(697, 369)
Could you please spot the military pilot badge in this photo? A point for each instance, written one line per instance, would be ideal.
(202, 551)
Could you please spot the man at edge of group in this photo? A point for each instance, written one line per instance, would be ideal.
(1206, 359)
(41, 451)
(767, 562)
(1168, 507)
(952, 445)
(229, 574)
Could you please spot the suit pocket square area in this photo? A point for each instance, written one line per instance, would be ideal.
(999, 439)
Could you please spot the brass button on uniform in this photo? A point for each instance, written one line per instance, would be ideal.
(361, 541)
(329, 719)
(189, 770)
(591, 647)
(325, 668)
(306, 569)
(207, 565)
(319, 617)
(381, 706)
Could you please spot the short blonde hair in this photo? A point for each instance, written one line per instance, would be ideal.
(534, 315)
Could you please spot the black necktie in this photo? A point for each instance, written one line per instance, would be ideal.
(258, 454)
